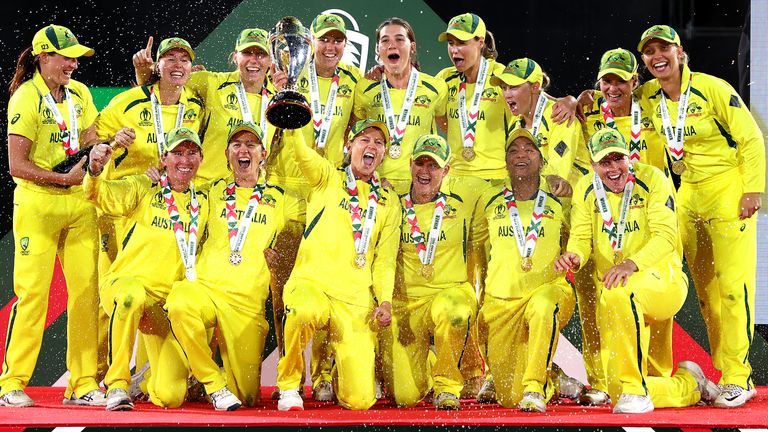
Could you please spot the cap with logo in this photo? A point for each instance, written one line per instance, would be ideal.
(663, 32)
(464, 27)
(362, 125)
(519, 71)
(178, 136)
(325, 23)
(252, 37)
(433, 146)
(522, 132)
(619, 62)
(248, 127)
(58, 39)
(174, 43)
(606, 141)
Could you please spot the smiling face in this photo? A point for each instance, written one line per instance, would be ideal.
(175, 67)
(617, 92)
(613, 170)
(253, 64)
(329, 48)
(427, 176)
(395, 48)
(520, 98)
(366, 152)
(523, 159)
(57, 69)
(244, 153)
(662, 58)
(464, 54)
(182, 162)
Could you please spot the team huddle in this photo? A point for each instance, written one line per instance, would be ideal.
(429, 236)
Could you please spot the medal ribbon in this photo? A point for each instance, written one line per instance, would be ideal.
(321, 120)
(426, 250)
(468, 120)
(157, 116)
(187, 247)
(397, 131)
(526, 240)
(237, 234)
(541, 104)
(245, 108)
(361, 232)
(69, 137)
(675, 136)
(634, 144)
(615, 233)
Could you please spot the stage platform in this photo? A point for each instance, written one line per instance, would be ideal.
(49, 413)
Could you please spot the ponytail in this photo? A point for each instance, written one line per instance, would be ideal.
(25, 70)
(489, 48)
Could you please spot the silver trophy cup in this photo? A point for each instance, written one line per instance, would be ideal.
(291, 46)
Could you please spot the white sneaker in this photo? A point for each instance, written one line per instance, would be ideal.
(134, 390)
(532, 402)
(290, 401)
(594, 397)
(16, 398)
(709, 390)
(633, 404)
(225, 400)
(118, 400)
(570, 388)
(733, 396)
(94, 397)
(323, 392)
(487, 393)
(446, 401)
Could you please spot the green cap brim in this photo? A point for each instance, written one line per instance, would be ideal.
(507, 79)
(245, 46)
(608, 150)
(248, 128)
(626, 76)
(76, 51)
(524, 133)
(374, 124)
(459, 34)
(181, 47)
(646, 39)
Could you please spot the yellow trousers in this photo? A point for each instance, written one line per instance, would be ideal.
(130, 308)
(351, 337)
(193, 310)
(46, 226)
(446, 318)
(713, 233)
(522, 335)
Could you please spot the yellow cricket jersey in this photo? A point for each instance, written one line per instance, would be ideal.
(651, 233)
(149, 252)
(132, 108)
(282, 168)
(652, 144)
(244, 286)
(450, 263)
(29, 116)
(429, 102)
(493, 124)
(327, 251)
(720, 132)
(222, 113)
(506, 279)
(562, 145)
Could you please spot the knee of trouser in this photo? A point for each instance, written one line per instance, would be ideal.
(456, 313)
(130, 297)
(612, 299)
(541, 306)
(170, 395)
(301, 312)
(180, 304)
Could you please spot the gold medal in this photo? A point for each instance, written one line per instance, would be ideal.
(678, 167)
(468, 154)
(394, 151)
(428, 271)
(526, 264)
(360, 260)
(235, 258)
(618, 258)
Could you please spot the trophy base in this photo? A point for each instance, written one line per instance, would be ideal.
(289, 109)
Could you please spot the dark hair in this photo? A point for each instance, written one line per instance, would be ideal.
(25, 69)
(409, 32)
(489, 48)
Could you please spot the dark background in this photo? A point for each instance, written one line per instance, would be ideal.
(566, 37)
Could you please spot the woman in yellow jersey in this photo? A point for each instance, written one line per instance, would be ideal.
(405, 98)
(166, 218)
(50, 116)
(717, 149)
(623, 216)
(232, 287)
(523, 83)
(345, 269)
(433, 298)
(526, 303)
